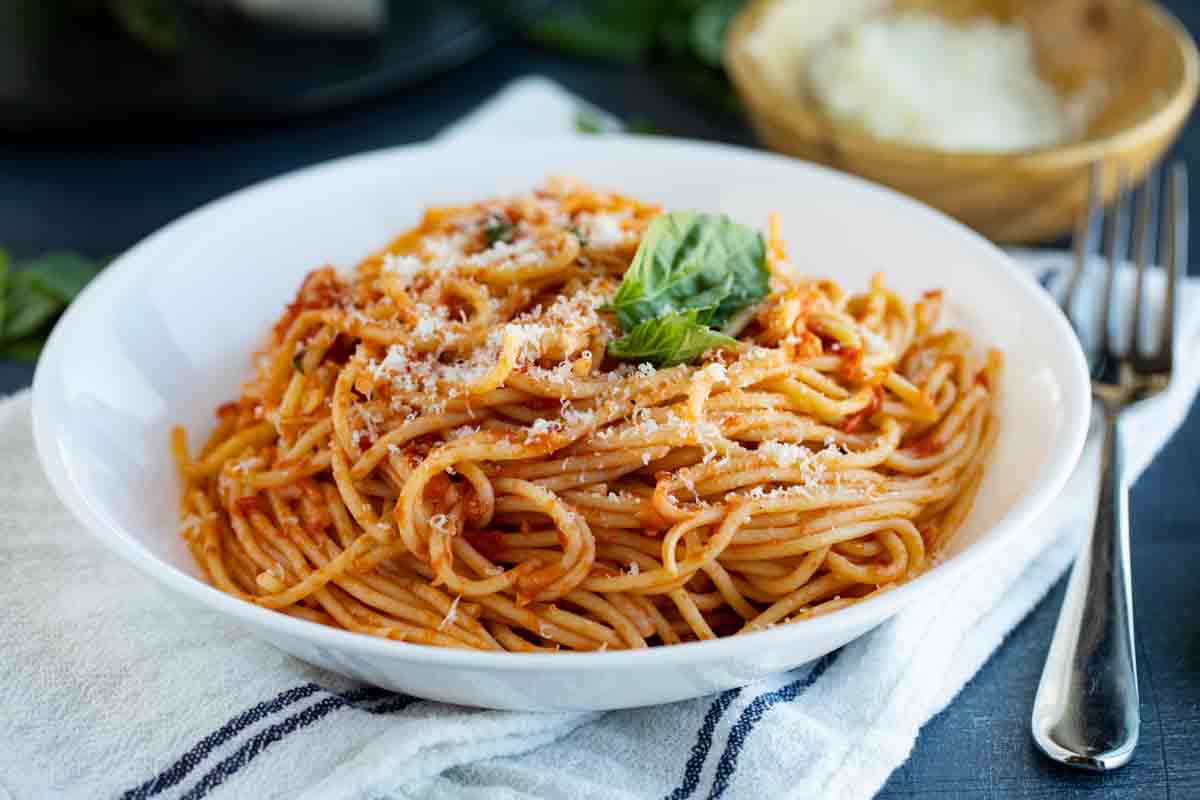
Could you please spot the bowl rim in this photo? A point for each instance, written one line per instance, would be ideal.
(864, 614)
(785, 112)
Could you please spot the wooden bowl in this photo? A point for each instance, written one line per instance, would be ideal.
(1143, 57)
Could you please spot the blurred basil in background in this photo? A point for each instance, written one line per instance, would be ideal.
(32, 296)
(154, 24)
(683, 40)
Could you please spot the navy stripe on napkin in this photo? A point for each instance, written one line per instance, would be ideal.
(179, 770)
(704, 739)
(750, 717)
(252, 748)
(192, 758)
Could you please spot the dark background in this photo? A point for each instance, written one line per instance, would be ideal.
(101, 196)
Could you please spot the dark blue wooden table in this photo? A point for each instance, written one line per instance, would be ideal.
(102, 197)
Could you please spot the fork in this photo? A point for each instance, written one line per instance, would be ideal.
(1086, 710)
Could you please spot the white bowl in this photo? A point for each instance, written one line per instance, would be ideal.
(166, 333)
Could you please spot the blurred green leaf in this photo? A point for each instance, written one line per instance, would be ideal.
(621, 30)
(591, 38)
(632, 16)
(32, 295)
(706, 86)
(29, 307)
(62, 274)
(644, 126)
(26, 349)
(682, 39)
(673, 37)
(498, 229)
(4, 265)
(579, 234)
(589, 120)
(154, 23)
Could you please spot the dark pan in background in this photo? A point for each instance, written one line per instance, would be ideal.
(64, 73)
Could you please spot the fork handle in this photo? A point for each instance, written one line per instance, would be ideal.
(1086, 711)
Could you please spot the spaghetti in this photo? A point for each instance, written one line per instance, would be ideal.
(440, 448)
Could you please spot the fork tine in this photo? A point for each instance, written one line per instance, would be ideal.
(1115, 235)
(1087, 239)
(1142, 250)
(1174, 252)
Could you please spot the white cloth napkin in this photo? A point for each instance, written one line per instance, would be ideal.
(110, 690)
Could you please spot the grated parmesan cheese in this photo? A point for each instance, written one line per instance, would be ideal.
(573, 416)
(426, 327)
(784, 454)
(877, 345)
(451, 615)
(519, 253)
(715, 372)
(528, 335)
(371, 420)
(443, 251)
(395, 360)
(689, 483)
(605, 230)
(541, 427)
(918, 78)
(246, 464)
(190, 524)
(403, 268)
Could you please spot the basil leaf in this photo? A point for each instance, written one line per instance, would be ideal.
(691, 261)
(589, 120)
(34, 294)
(29, 307)
(620, 30)
(498, 229)
(578, 233)
(591, 38)
(26, 349)
(61, 274)
(3, 285)
(675, 338)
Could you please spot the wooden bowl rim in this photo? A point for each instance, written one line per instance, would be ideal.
(784, 111)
